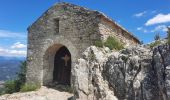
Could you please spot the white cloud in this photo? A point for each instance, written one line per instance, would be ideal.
(140, 14)
(16, 53)
(142, 29)
(9, 34)
(18, 45)
(160, 18)
(159, 28)
(145, 30)
(139, 28)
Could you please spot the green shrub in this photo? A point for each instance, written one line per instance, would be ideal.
(29, 87)
(98, 43)
(2, 91)
(113, 43)
(10, 86)
(156, 43)
(21, 75)
(157, 37)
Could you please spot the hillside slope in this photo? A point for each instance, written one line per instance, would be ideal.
(9, 66)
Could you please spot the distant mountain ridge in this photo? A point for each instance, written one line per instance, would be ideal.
(9, 66)
(11, 58)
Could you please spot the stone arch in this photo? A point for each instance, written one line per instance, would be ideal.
(48, 60)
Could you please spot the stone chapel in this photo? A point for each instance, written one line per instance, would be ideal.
(57, 39)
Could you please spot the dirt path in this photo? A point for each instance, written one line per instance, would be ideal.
(43, 93)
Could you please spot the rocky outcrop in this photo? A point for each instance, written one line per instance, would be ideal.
(90, 84)
(135, 73)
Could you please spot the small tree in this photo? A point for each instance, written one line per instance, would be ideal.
(168, 35)
(21, 75)
(157, 37)
(12, 86)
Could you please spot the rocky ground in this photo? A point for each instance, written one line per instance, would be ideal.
(43, 93)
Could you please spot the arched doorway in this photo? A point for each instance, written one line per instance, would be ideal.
(50, 70)
(62, 66)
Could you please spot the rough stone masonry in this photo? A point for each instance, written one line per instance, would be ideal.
(70, 26)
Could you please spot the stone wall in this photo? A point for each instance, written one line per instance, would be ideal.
(108, 28)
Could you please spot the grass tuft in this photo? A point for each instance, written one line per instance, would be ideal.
(113, 43)
(156, 43)
(29, 87)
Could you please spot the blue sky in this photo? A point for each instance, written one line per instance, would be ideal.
(144, 18)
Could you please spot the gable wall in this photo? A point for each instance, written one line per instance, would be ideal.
(107, 29)
(78, 29)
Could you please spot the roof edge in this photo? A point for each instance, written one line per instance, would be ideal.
(114, 22)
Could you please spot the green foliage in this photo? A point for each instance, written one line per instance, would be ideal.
(2, 91)
(21, 75)
(29, 87)
(156, 43)
(168, 35)
(98, 43)
(12, 86)
(65, 88)
(157, 37)
(113, 43)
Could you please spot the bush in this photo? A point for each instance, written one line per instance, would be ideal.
(21, 75)
(29, 87)
(157, 37)
(113, 43)
(156, 43)
(2, 91)
(98, 43)
(11, 86)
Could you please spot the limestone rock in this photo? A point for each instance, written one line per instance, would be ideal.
(135, 73)
(90, 84)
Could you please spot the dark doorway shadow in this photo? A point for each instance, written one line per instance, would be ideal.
(62, 67)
